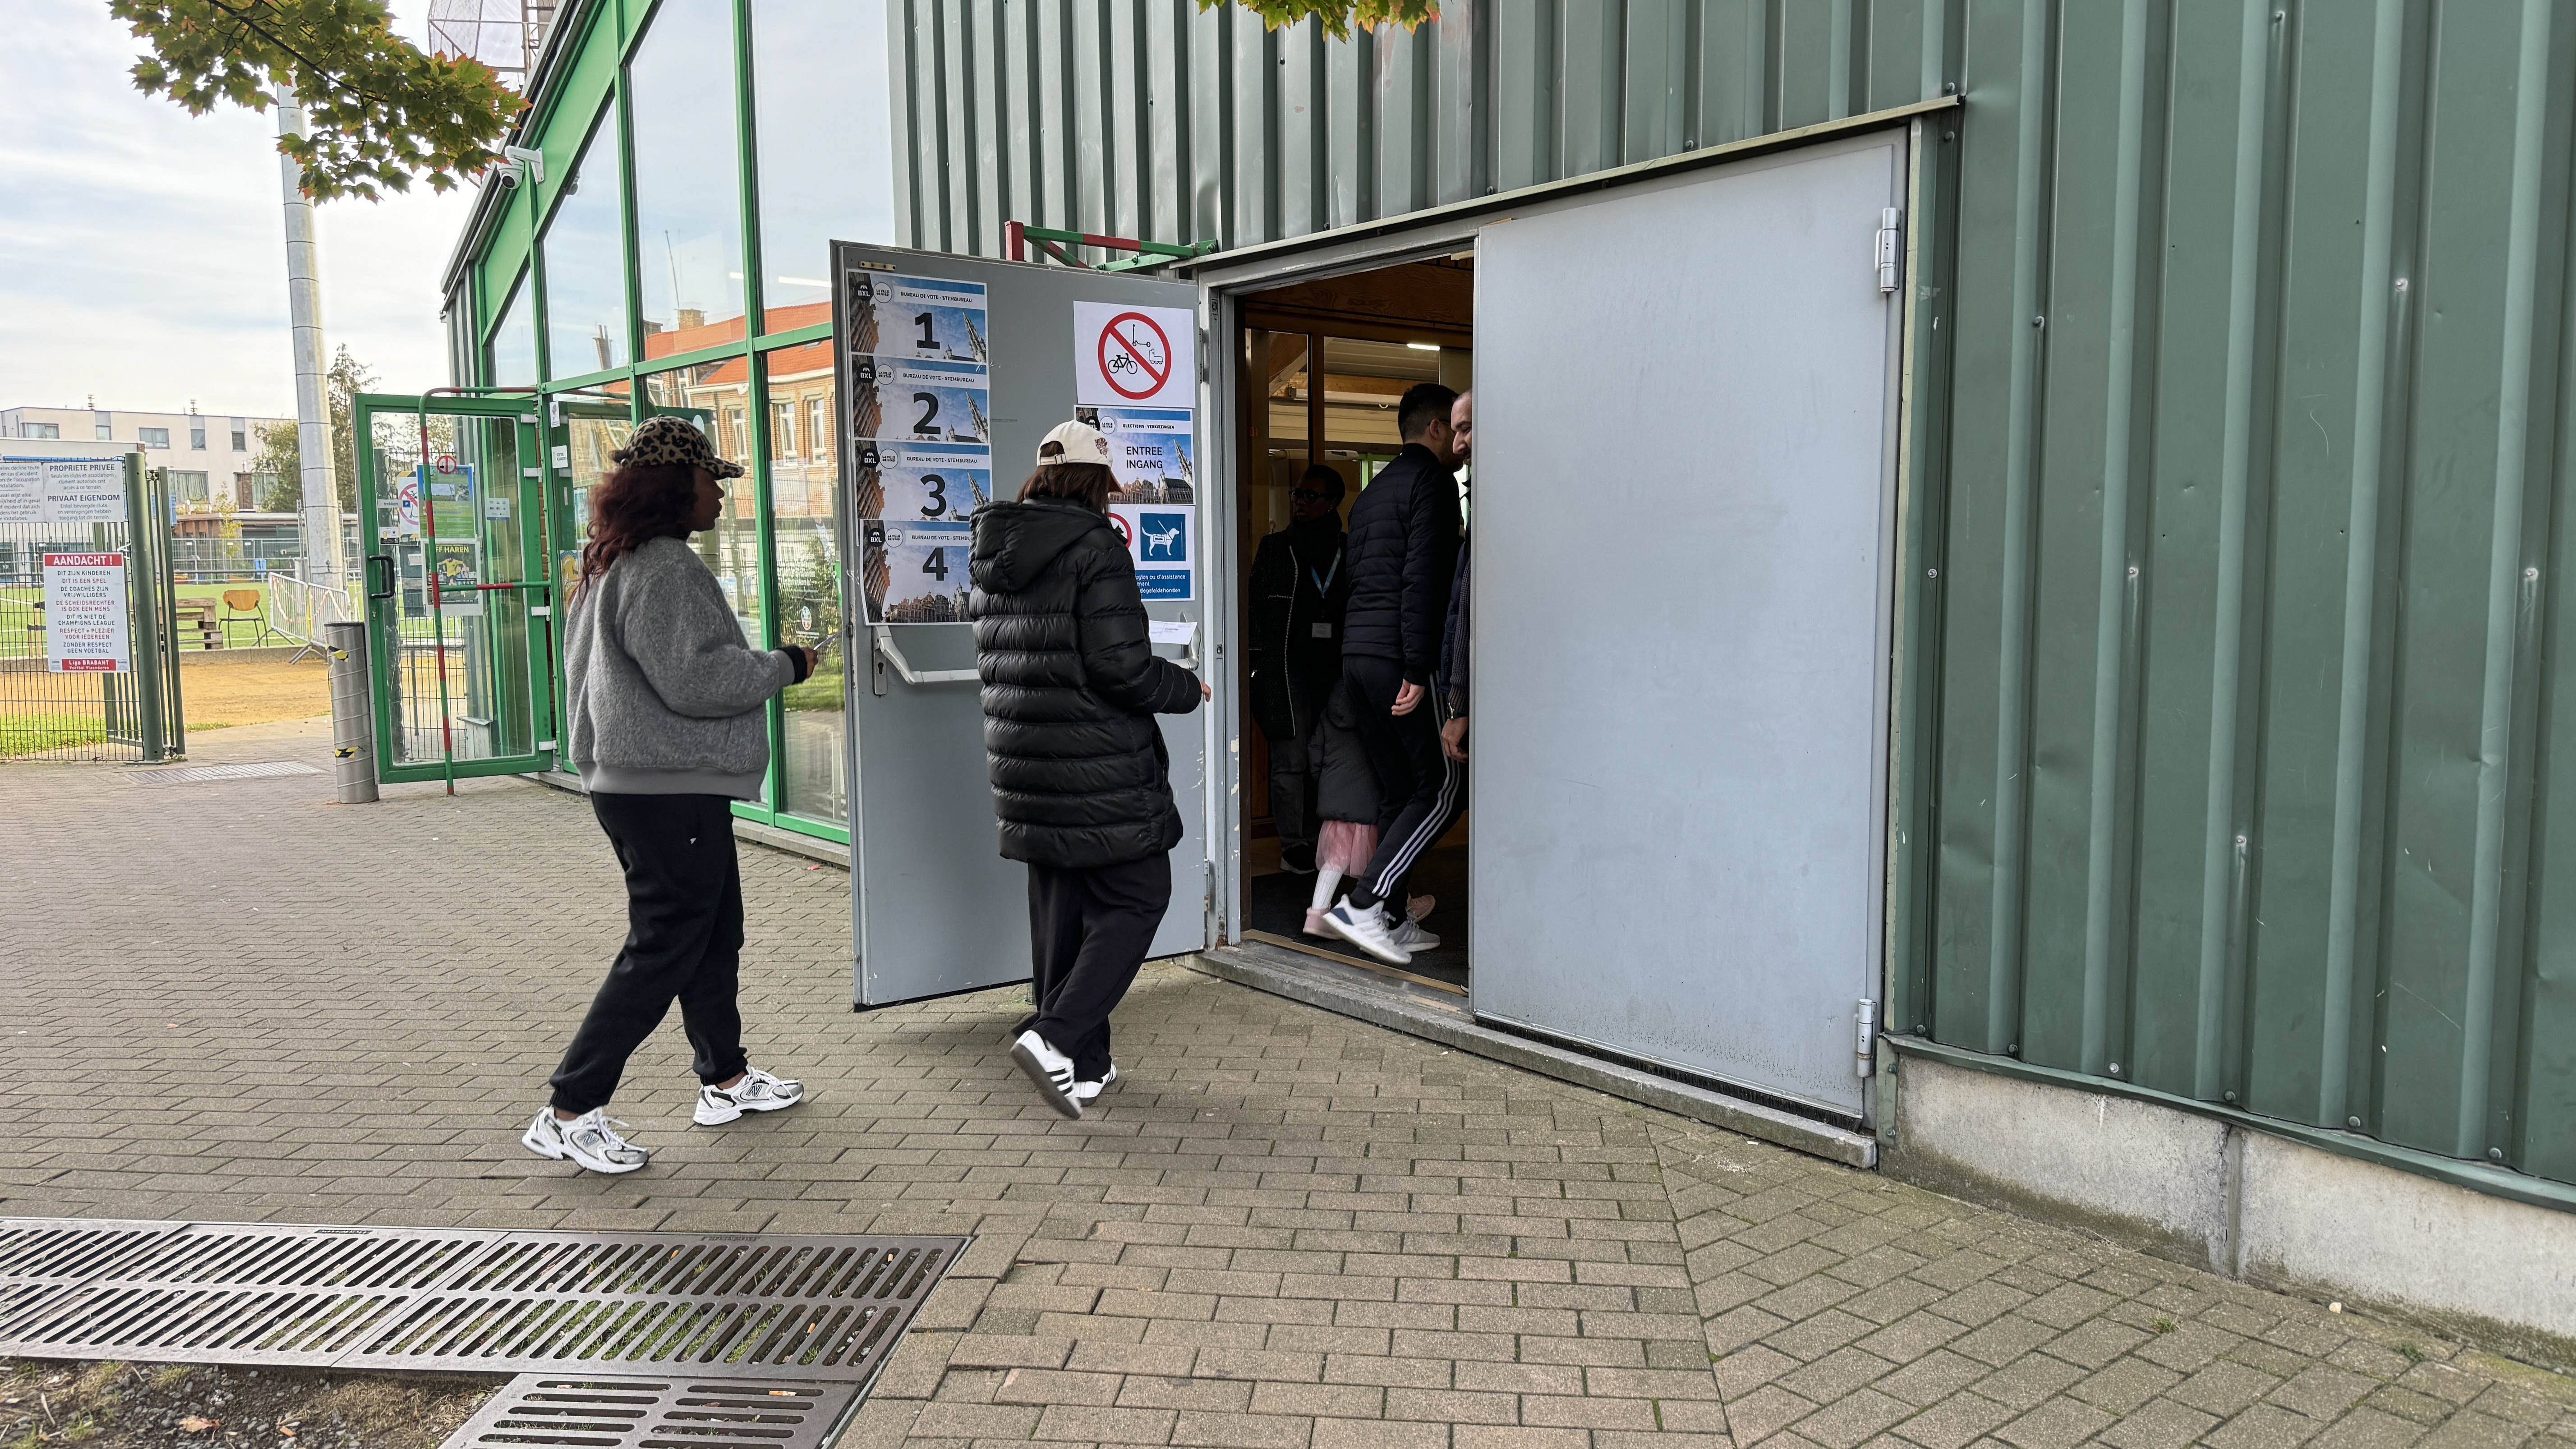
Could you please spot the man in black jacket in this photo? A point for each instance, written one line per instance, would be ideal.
(1402, 555)
(1299, 590)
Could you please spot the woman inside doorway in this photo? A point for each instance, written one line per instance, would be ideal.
(1081, 779)
(667, 729)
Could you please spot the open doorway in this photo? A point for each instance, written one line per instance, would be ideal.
(1323, 365)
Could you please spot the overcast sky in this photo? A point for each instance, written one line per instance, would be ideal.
(142, 249)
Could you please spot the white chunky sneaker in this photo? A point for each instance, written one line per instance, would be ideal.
(1367, 929)
(758, 1091)
(590, 1140)
(1090, 1091)
(1049, 1070)
(1409, 934)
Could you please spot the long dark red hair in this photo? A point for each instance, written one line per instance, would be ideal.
(634, 505)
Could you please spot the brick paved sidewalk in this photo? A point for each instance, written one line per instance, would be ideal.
(236, 1001)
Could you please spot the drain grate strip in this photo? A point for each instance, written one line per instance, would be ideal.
(816, 1307)
(663, 1413)
(203, 774)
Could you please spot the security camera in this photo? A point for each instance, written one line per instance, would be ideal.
(522, 163)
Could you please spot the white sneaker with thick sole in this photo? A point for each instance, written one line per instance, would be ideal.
(1367, 929)
(1409, 934)
(1049, 1070)
(590, 1140)
(758, 1091)
(1090, 1091)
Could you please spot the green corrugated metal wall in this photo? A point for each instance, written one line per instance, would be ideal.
(2247, 651)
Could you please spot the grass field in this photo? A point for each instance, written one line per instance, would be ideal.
(18, 611)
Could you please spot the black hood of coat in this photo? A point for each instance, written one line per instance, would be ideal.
(1014, 542)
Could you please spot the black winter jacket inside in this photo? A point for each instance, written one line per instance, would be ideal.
(1401, 555)
(1071, 687)
(1299, 590)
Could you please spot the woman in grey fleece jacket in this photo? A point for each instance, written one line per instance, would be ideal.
(667, 731)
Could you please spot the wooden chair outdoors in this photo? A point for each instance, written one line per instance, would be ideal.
(246, 605)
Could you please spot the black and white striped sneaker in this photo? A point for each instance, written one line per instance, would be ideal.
(1049, 1070)
(1090, 1091)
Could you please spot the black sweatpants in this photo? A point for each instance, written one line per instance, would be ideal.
(683, 942)
(1088, 933)
(1421, 792)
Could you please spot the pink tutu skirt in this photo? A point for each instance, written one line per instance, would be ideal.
(1346, 846)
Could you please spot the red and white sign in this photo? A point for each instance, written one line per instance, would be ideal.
(1134, 356)
(85, 628)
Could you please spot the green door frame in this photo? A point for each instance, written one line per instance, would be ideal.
(534, 583)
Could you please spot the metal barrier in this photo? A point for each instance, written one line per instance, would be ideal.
(301, 611)
(89, 660)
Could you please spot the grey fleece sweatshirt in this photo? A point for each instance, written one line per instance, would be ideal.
(665, 696)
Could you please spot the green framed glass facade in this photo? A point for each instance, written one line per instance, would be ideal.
(700, 157)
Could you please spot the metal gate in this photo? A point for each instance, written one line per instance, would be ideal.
(89, 659)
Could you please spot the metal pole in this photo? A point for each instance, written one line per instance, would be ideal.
(353, 715)
(321, 504)
(143, 568)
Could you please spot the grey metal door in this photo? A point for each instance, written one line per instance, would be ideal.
(935, 908)
(1683, 499)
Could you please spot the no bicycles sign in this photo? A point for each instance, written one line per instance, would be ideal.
(1134, 356)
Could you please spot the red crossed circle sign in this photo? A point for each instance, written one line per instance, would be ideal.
(1123, 355)
(447, 462)
(1126, 531)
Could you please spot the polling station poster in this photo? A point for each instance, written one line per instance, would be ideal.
(1163, 540)
(926, 319)
(894, 399)
(909, 482)
(85, 626)
(1150, 451)
(916, 573)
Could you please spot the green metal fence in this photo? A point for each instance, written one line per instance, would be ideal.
(65, 700)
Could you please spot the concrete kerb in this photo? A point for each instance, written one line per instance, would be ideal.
(2244, 1203)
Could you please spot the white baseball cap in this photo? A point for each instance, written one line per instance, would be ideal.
(1075, 442)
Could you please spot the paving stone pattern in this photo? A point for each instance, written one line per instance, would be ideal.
(1285, 1228)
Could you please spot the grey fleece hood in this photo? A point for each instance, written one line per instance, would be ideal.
(1014, 542)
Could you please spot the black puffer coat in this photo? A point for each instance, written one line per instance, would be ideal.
(1071, 688)
(1401, 556)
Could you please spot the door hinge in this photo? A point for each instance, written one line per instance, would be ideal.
(1203, 355)
(1864, 1036)
(1891, 227)
(541, 611)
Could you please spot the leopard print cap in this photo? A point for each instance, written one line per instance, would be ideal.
(668, 440)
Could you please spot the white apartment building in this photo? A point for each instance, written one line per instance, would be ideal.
(209, 455)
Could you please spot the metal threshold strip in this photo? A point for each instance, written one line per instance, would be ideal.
(697, 1307)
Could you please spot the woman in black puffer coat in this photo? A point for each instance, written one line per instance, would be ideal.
(1081, 780)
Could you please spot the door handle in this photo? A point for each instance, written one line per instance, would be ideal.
(387, 591)
(886, 648)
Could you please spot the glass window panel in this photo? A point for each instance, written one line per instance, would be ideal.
(819, 96)
(514, 342)
(805, 525)
(715, 396)
(688, 210)
(585, 259)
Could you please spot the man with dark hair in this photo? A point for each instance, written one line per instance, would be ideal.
(1402, 555)
(1299, 589)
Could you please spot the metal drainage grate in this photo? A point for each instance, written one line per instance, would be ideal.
(426, 1299)
(666, 1413)
(201, 774)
